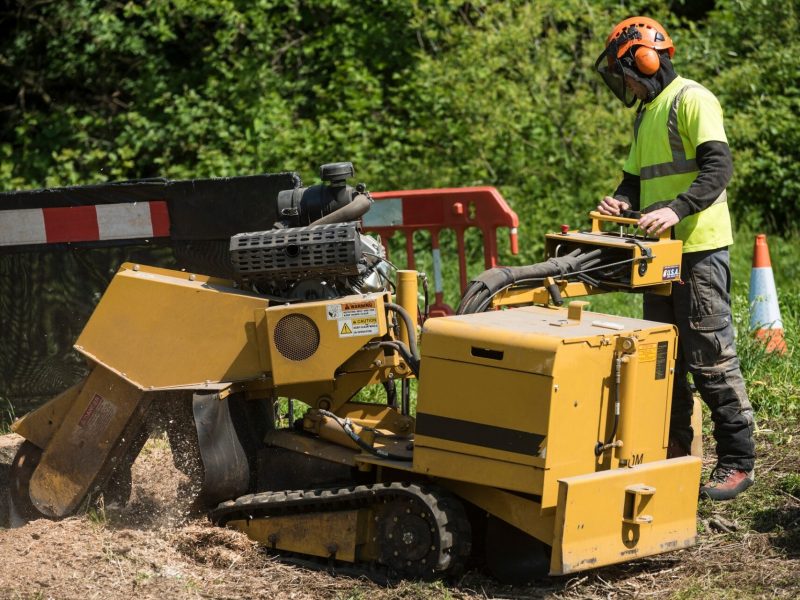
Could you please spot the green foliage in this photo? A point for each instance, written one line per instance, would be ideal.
(749, 55)
(418, 93)
(791, 484)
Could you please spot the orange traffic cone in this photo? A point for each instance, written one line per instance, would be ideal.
(765, 314)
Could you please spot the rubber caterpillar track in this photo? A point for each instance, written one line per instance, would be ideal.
(424, 532)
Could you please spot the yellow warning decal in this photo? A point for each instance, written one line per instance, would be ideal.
(647, 353)
(360, 326)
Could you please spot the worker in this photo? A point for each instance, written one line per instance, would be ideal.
(676, 173)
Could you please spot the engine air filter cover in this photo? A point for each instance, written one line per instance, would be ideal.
(297, 252)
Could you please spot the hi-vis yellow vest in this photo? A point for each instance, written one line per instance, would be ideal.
(666, 134)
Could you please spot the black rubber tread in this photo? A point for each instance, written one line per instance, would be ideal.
(444, 513)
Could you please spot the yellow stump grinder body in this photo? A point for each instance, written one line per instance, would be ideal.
(539, 435)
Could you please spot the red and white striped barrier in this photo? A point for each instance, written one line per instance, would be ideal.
(92, 223)
(765, 314)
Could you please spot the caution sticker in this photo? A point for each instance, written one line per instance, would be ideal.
(356, 327)
(351, 310)
(95, 418)
(647, 353)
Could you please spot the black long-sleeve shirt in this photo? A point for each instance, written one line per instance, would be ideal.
(716, 169)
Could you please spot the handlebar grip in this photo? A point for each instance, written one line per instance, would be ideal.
(598, 217)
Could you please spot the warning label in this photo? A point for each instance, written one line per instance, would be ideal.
(97, 415)
(647, 353)
(351, 310)
(356, 327)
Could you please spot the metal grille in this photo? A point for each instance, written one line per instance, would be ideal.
(299, 251)
(296, 337)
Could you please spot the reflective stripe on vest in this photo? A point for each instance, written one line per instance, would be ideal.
(704, 230)
(679, 164)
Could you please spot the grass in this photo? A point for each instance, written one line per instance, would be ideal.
(7, 415)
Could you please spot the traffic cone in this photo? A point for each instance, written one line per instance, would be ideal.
(765, 314)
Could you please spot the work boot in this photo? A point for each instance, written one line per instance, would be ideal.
(726, 483)
(675, 450)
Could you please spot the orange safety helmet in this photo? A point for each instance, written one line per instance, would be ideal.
(632, 51)
(651, 37)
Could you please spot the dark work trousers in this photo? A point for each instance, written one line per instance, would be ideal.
(700, 307)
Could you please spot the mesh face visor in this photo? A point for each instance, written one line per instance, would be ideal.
(610, 67)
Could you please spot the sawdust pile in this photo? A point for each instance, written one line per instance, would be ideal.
(147, 549)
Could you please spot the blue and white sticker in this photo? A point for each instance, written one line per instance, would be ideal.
(671, 272)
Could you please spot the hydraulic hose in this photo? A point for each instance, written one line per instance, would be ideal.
(410, 327)
(601, 447)
(481, 290)
(347, 427)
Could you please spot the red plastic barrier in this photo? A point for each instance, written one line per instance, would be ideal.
(449, 208)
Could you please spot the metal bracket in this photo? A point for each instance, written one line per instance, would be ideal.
(637, 497)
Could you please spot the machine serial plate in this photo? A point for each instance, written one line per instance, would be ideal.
(661, 360)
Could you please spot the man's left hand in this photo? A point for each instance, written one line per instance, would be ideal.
(657, 221)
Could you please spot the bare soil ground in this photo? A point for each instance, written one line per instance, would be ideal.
(748, 548)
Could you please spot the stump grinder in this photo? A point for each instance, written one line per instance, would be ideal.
(537, 443)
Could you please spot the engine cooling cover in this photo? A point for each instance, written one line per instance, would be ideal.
(298, 253)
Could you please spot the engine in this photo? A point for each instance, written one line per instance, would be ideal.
(316, 250)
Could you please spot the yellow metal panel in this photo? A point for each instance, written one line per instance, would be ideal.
(582, 411)
(481, 403)
(579, 413)
(477, 469)
(310, 446)
(39, 426)
(325, 534)
(377, 416)
(424, 442)
(646, 392)
(528, 337)
(621, 514)
(666, 253)
(332, 331)
(520, 511)
(510, 400)
(482, 410)
(161, 329)
(79, 450)
(479, 337)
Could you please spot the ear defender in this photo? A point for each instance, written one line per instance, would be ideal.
(646, 60)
